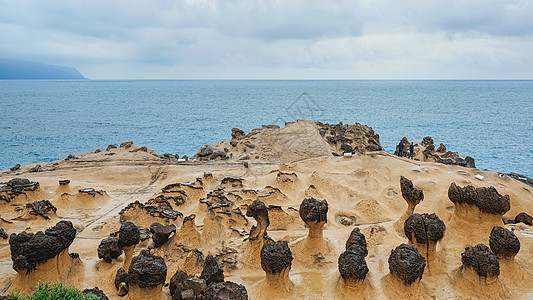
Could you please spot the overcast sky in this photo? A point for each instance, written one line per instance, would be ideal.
(372, 39)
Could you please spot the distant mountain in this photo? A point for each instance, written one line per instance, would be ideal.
(18, 69)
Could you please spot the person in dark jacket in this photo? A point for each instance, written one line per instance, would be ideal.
(400, 149)
(412, 151)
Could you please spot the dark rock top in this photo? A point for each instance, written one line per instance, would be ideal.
(147, 270)
(41, 208)
(524, 218)
(406, 263)
(503, 242)
(357, 242)
(177, 281)
(161, 233)
(237, 133)
(108, 249)
(409, 192)
(211, 271)
(482, 260)
(488, 200)
(120, 277)
(97, 292)
(154, 211)
(28, 249)
(275, 257)
(423, 228)
(352, 265)
(314, 210)
(225, 291)
(259, 211)
(129, 235)
(16, 186)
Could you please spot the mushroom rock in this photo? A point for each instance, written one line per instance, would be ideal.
(352, 263)
(503, 243)
(96, 292)
(406, 264)
(259, 212)
(42, 256)
(481, 260)
(129, 236)
(477, 211)
(315, 214)
(161, 233)
(108, 249)
(276, 261)
(524, 218)
(146, 276)
(188, 233)
(412, 196)
(121, 282)
(211, 271)
(424, 231)
(226, 290)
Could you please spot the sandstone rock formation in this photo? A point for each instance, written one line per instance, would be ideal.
(315, 215)
(424, 231)
(109, 249)
(412, 196)
(128, 237)
(146, 276)
(276, 261)
(482, 260)
(259, 212)
(524, 218)
(212, 272)
(42, 256)
(352, 263)
(296, 141)
(18, 190)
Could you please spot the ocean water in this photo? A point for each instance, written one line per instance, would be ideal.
(40, 121)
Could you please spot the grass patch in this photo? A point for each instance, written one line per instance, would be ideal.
(54, 291)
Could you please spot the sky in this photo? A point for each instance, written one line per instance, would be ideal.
(277, 39)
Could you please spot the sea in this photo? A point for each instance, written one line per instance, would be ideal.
(42, 121)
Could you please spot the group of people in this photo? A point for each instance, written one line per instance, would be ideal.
(402, 150)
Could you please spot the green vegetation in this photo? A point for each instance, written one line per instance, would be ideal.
(54, 291)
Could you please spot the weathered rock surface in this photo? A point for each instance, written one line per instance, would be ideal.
(129, 235)
(487, 199)
(161, 233)
(28, 249)
(109, 248)
(211, 271)
(314, 210)
(275, 257)
(503, 242)
(423, 228)
(225, 291)
(352, 265)
(482, 260)
(409, 192)
(41, 208)
(259, 211)
(406, 263)
(147, 270)
(357, 242)
(16, 186)
(524, 218)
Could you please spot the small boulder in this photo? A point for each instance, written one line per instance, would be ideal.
(108, 249)
(161, 233)
(225, 291)
(205, 151)
(524, 218)
(147, 270)
(110, 147)
(406, 263)
(96, 292)
(211, 271)
(177, 281)
(15, 168)
(236, 133)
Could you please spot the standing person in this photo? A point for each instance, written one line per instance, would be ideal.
(412, 151)
(400, 149)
